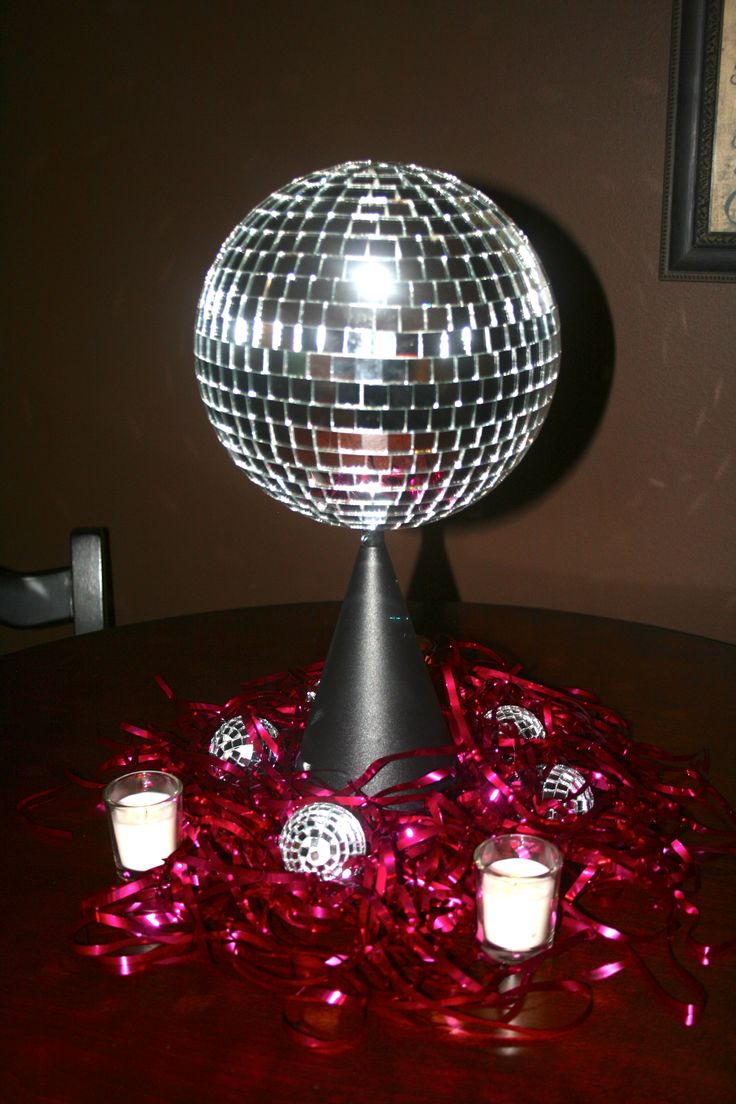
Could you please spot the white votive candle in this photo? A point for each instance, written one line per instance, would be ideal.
(145, 829)
(517, 900)
(144, 812)
(517, 895)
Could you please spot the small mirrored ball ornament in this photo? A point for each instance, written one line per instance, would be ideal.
(527, 724)
(311, 693)
(323, 839)
(561, 783)
(377, 345)
(234, 743)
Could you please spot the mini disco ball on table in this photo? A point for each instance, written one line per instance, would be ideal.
(377, 346)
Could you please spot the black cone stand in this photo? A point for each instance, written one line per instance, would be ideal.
(375, 697)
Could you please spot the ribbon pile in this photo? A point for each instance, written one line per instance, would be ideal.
(399, 935)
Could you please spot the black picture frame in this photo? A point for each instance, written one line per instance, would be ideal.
(691, 250)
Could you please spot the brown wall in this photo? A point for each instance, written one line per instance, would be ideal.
(138, 133)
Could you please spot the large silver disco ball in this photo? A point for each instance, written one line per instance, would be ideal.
(377, 345)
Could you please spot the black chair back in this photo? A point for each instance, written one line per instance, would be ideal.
(80, 593)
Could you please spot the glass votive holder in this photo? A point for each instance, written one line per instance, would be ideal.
(518, 880)
(144, 814)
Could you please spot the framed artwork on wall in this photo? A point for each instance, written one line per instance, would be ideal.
(699, 215)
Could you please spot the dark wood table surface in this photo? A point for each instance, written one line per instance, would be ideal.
(194, 1032)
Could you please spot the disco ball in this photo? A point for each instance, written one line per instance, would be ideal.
(323, 839)
(527, 724)
(561, 783)
(377, 345)
(233, 741)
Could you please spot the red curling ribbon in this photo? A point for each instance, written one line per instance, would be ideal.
(50, 799)
(325, 1019)
(397, 936)
(29, 806)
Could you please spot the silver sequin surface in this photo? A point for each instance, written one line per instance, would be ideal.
(562, 782)
(232, 741)
(323, 839)
(527, 724)
(377, 345)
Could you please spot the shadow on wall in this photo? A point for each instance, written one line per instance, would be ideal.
(586, 373)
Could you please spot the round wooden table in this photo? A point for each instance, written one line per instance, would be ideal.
(72, 1032)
